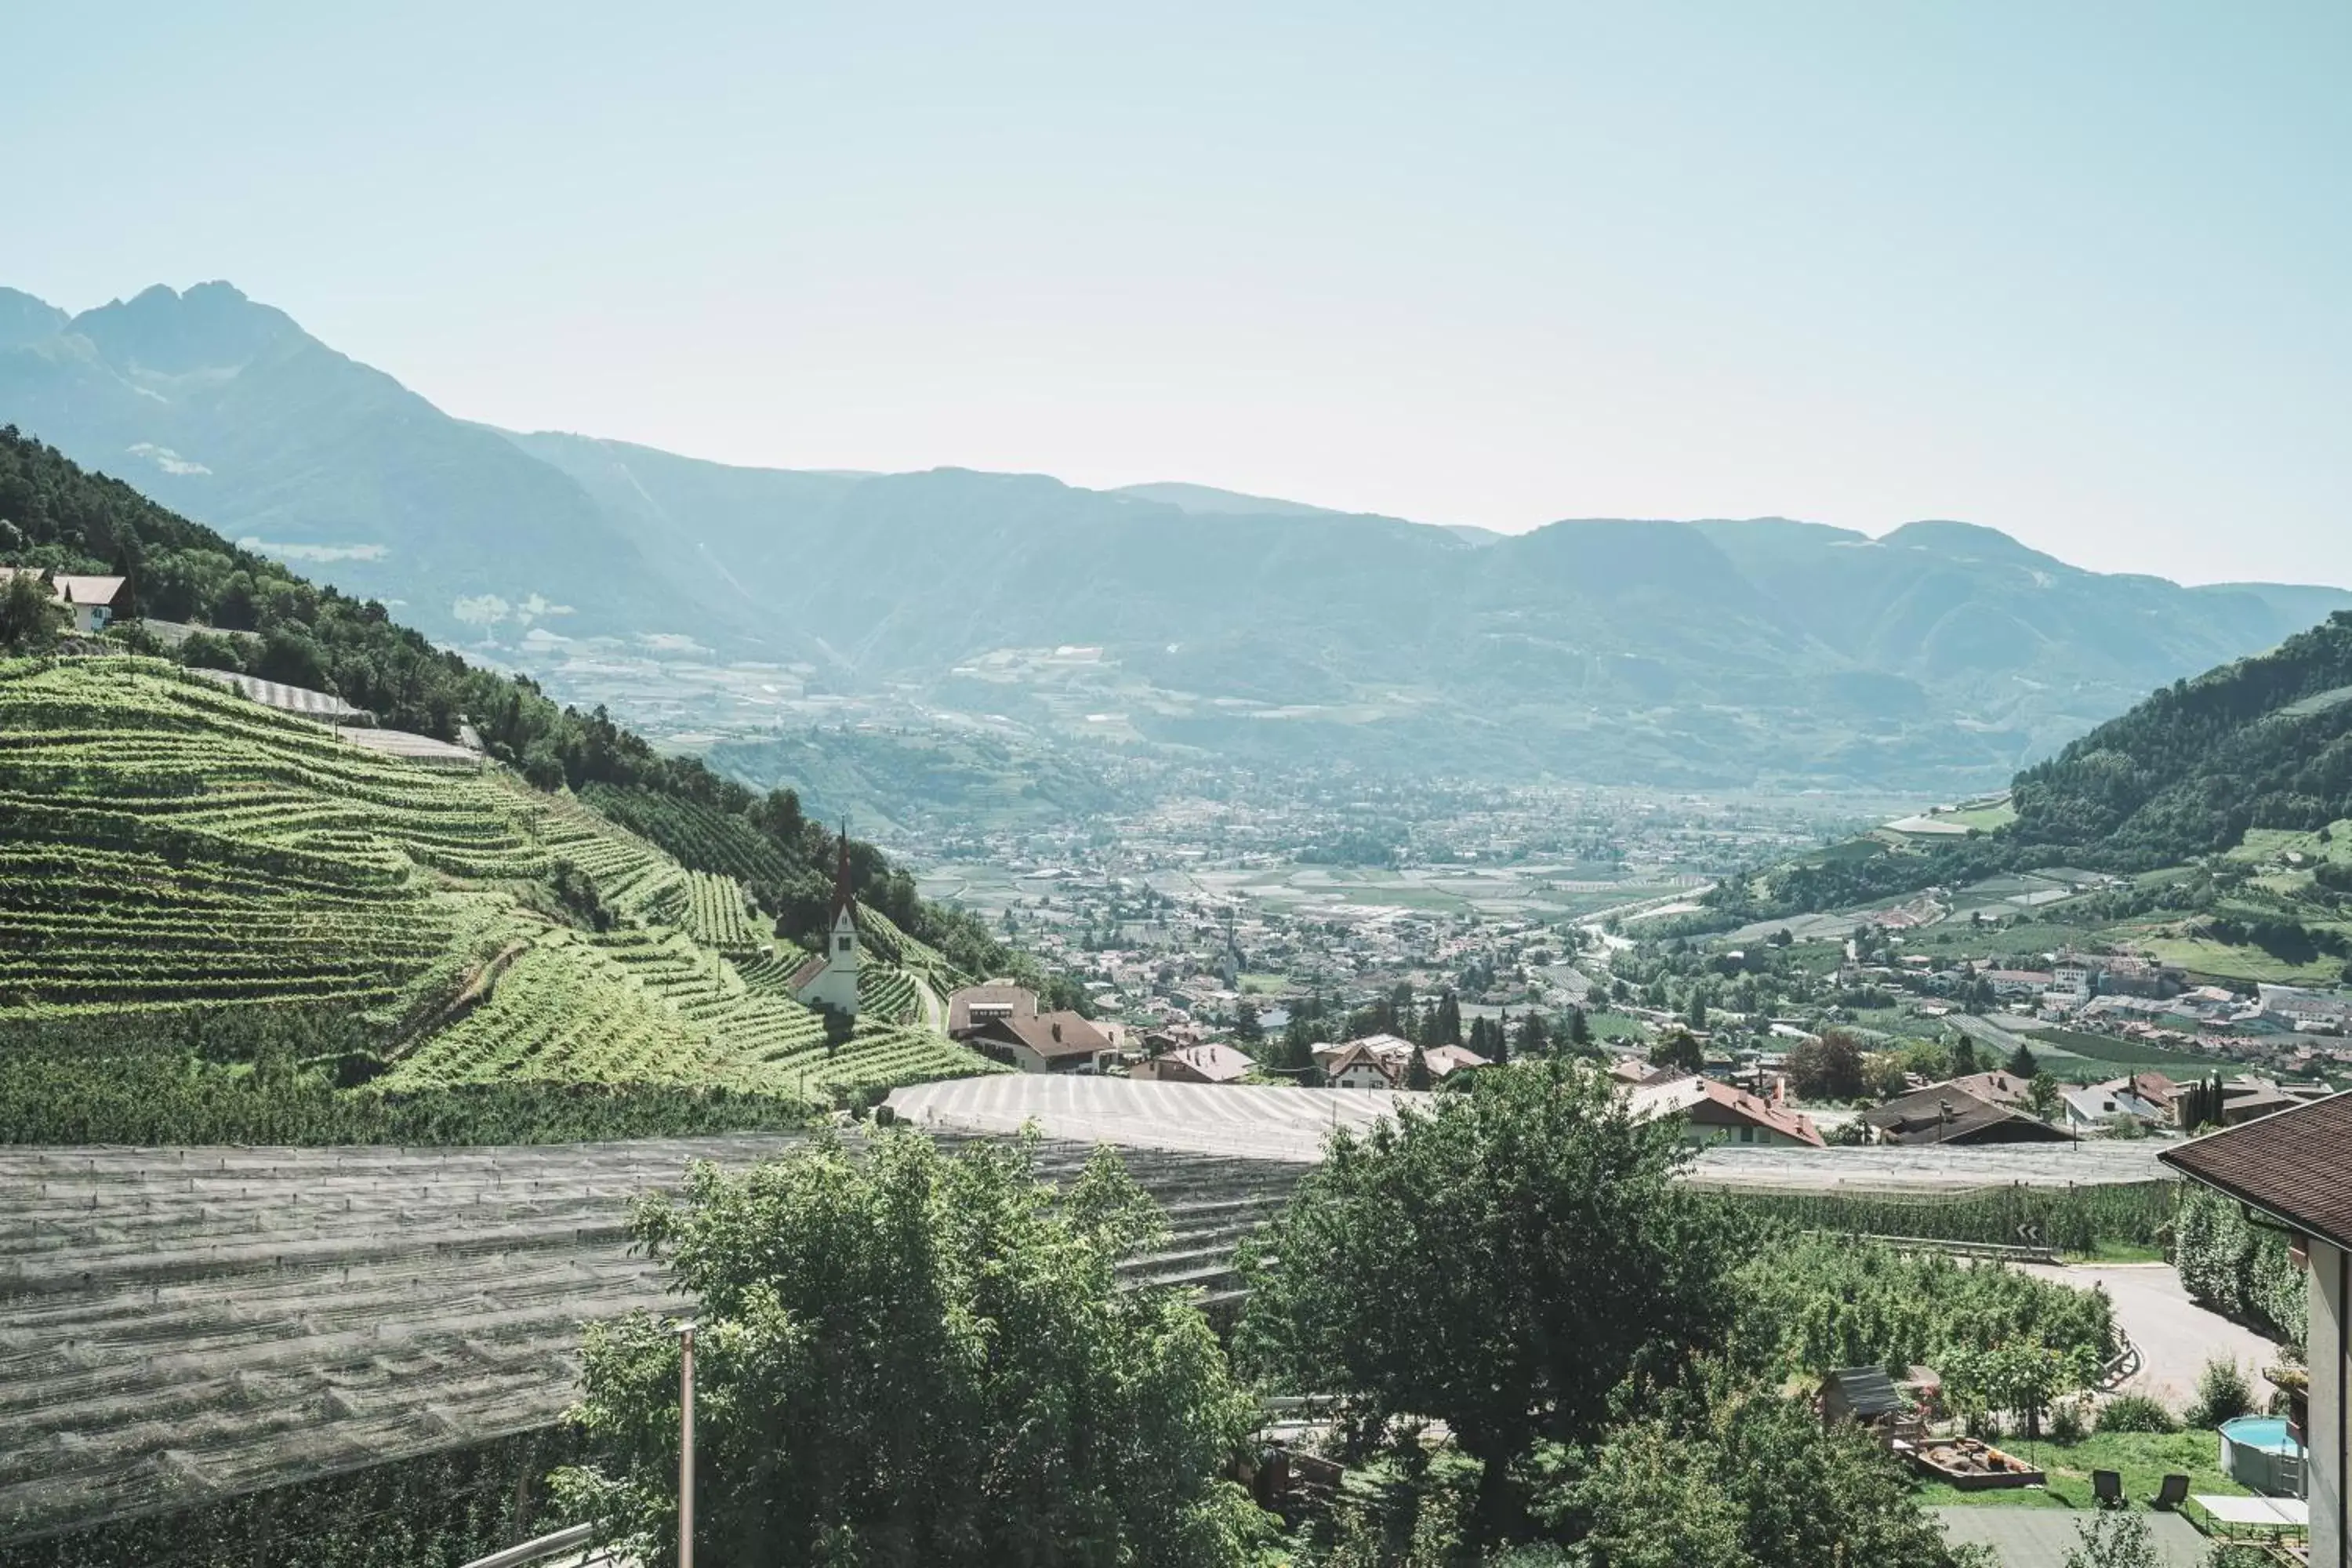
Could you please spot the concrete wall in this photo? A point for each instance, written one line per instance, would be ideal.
(2331, 1369)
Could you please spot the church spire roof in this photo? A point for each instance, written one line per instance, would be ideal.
(845, 901)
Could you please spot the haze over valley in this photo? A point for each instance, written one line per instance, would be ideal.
(705, 602)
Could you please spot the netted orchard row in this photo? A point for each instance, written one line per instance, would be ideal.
(2070, 1219)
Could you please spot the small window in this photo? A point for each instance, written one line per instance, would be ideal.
(844, 943)
(1747, 1135)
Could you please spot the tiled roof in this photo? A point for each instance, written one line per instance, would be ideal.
(989, 999)
(1943, 1113)
(1357, 1054)
(2295, 1164)
(1682, 1094)
(1050, 1034)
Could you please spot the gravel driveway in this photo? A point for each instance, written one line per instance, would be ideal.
(2176, 1336)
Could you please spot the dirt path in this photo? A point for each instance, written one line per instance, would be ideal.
(2176, 1336)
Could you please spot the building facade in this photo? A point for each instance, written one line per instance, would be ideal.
(829, 979)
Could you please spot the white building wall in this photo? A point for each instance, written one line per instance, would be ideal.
(2324, 1440)
(837, 986)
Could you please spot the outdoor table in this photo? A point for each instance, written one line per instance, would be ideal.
(2252, 1516)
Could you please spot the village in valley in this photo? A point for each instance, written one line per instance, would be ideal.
(1222, 941)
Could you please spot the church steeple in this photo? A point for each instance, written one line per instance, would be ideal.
(830, 977)
(845, 901)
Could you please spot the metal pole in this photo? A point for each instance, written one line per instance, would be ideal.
(685, 1446)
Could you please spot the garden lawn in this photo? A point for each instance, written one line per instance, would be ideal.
(2143, 1459)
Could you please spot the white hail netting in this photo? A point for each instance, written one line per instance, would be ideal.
(181, 1324)
(1257, 1123)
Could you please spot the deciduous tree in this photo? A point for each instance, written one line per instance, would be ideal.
(1500, 1263)
(914, 1358)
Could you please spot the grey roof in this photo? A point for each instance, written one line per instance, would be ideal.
(2295, 1164)
(1867, 1390)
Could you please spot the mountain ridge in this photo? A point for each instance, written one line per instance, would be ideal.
(1763, 652)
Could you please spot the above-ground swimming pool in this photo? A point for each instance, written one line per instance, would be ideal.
(2258, 1453)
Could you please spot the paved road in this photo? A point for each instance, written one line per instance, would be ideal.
(2176, 1336)
(2042, 1537)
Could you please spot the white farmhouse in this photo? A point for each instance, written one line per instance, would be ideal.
(89, 601)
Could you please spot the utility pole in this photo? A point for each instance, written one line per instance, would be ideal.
(685, 1446)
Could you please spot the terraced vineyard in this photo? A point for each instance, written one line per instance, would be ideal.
(166, 843)
(693, 834)
(714, 910)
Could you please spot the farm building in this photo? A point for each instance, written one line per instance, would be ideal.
(1945, 1113)
(1394, 1054)
(1356, 1066)
(1713, 1112)
(974, 1005)
(1205, 1063)
(2294, 1168)
(89, 601)
(1049, 1042)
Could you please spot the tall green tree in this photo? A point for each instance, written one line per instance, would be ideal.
(1829, 1066)
(31, 620)
(1755, 1482)
(1502, 1262)
(1679, 1050)
(916, 1358)
(1535, 1039)
(2021, 1063)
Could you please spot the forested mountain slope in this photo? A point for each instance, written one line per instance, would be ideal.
(2261, 743)
(1942, 657)
(227, 411)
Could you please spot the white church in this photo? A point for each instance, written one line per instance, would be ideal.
(829, 979)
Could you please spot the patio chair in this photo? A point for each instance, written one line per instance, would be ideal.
(2107, 1486)
(2171, 1493)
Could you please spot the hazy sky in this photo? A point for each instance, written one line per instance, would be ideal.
(2082, 271)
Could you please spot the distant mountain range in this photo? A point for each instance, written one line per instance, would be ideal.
(1716, 654)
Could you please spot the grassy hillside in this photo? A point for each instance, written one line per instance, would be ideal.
(168, 849)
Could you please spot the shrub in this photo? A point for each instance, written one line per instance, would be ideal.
(2113, 1541)
(2222, 1394)
(2137, 1412)
(2066, 1422)
(2228, 1556)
